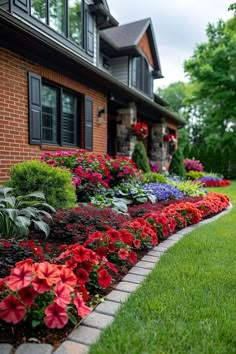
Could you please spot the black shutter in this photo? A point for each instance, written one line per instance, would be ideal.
(35, 109)
(89, 34)
(88, 113)
(22, 4)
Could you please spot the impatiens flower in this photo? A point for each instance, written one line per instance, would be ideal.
(40, 285)
(27, 295)
(104, 278)
(82, 275)
(82, 309)
(132, 257)
(49, 272)
(123, 254)
(62, 294)
(11, 310)
(20, 277)
(56, 316)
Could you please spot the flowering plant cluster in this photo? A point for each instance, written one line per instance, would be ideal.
(140, 130)
(212, 204)
(209, 181)
(154, 166)
(92, 172)
(44, 292)
(193, 165)
(163, 191)
(170, 138)
(187, 210)
(165, 224)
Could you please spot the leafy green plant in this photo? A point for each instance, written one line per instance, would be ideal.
(152, 177)
(192, 189)
(177, 164)
(194, 174)
(18, 213)
(55, 183)
(140, 158)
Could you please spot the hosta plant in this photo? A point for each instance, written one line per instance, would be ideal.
(17, 214)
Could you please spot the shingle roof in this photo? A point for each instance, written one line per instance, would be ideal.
(125, 35)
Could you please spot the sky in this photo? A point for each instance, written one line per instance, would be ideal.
(178, 25)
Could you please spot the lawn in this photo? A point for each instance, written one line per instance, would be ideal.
(187, 304)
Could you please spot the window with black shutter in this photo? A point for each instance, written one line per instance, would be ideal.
(54, 116)
(88, 109)
(140, 75)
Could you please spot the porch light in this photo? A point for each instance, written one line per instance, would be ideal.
(101, 116)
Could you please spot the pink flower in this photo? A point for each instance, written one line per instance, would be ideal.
(11, 309)
(82, 309)
(123, 254)
(56, 316)
(20, 277)
(62, 294)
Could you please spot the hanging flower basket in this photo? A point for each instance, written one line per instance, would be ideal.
(140, 130)
(170, 138)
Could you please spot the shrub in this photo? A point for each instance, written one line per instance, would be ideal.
(194, 174)
(151, 177)
(140, 158)
(193, 165)
(55, 183)
(177, 164)
(189, 188)
(186, 151)
(17, 214)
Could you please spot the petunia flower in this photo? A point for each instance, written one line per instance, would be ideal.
(104, 278)
(82, 275)
(82, 309)
(123, 254)
(49, 272)
(11, 310)
(62, 294)
(132, 257)
(20, 277)
(56, 316)
(67, 277)
(40, 285)
(27, 295)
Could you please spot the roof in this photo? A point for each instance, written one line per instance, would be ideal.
(127, 37)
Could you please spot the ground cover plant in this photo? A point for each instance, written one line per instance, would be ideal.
(184, 296)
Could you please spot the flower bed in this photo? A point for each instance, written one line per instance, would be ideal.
(210, 181)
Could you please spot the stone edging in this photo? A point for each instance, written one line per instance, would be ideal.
(103, 315)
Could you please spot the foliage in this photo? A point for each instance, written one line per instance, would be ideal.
(17, 214)
(140, 158)
(56, 184)
(190, 188)
(193, 165)
(152, 177)
(75, 225)
(194, 175)
(177, 164)
(93, 172)
(163, 191)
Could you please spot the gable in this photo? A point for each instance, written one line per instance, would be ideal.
(145, 47)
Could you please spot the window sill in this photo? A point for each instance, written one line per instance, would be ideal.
(58, 147)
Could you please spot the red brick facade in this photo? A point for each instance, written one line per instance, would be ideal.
(14, 115)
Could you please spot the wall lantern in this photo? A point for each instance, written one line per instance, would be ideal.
(101, 116)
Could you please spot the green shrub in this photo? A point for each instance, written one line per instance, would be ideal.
(194, 175)
(194, 152)
(152, 177)
(140, 157)
(226, 162)
(177, 164)
(55, 183)
(191, 189)
(186, 151)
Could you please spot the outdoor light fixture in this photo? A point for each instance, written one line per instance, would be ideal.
(101, 117)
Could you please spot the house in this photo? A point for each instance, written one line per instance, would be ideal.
(71, 77)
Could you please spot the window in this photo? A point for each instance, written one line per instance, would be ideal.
(54, 115)
(141, 76)
(69, 18)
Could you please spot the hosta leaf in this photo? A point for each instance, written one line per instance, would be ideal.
(42, 226)
(12, 213)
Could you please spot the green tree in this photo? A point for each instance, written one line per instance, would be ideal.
(140, 158)
(177, 164)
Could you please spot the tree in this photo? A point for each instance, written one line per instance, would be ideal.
(177, 164)
(140, 158)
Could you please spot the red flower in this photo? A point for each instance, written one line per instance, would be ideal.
(82, 309)
(123, 254)
(40, 285)
(6, 244)
(132, 257)
(49, 272)
(62, 294)
(82, 276)
(101, 251)
(81, 254)
(27, 296)
(104, 278)
(11, 309)
(137, 243)
(113, 235)
(67, 277)
(20, 277)
(111, 248)
(56, 316)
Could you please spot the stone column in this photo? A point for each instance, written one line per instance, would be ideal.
(158, 151)
(125, 140)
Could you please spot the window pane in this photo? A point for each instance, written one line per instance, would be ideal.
(75, 21)
(68, 119)
(134, 72)
(57, 15)
(49, 114)
(38, 9)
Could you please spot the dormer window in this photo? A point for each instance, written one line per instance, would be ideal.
(66, 17)
(141, 77)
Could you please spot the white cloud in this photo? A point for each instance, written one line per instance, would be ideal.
(178, 24)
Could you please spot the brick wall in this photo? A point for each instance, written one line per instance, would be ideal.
(14, 137)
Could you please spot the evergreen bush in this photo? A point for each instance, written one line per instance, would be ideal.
(140, 158)
(177, 164)
(186, 151)
(55, 183)
(226, 153)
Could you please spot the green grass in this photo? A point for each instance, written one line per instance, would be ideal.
(188, 303)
